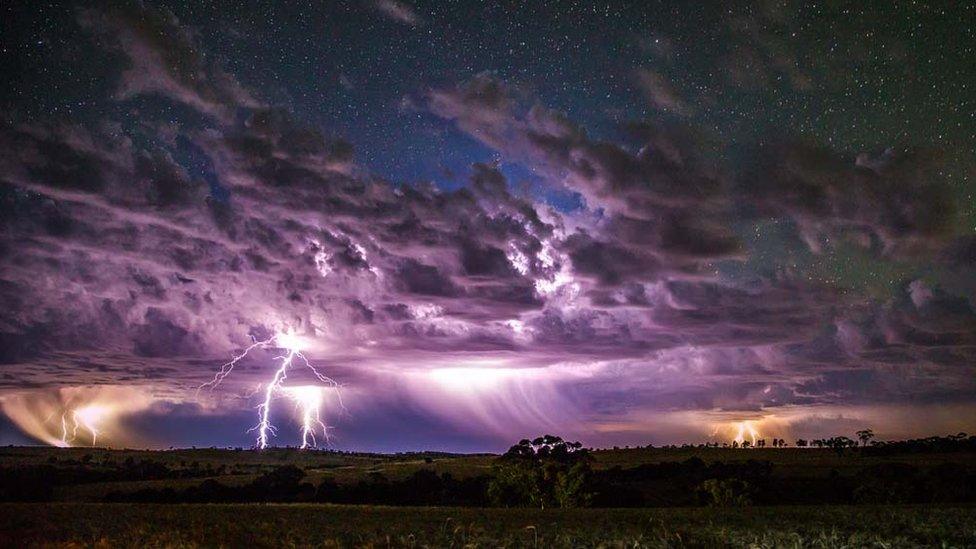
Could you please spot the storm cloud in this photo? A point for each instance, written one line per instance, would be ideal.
(144, 256)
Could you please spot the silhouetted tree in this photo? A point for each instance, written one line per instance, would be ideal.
(840, 443)
(543, 472)
(864, 436)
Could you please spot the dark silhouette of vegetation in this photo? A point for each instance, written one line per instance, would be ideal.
(284, 484)
(890, 483)
(864, 436)
(838, 444)
(673, 482)
(423, 487)
(730, 492)
(960, 442)
(545, 472)
(37, 483)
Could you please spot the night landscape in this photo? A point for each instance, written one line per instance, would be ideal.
(385, 273)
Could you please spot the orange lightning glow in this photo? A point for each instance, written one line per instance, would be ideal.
(88, 418)
(746, 429)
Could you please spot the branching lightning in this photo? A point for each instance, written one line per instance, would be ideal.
(228, 367)
(86, 418)
(744, 429)
(264, 409)
(309, 399)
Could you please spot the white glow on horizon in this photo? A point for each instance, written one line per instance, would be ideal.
(744, 429)
(309, 400)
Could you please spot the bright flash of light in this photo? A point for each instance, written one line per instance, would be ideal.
(87, 418)
(495, 395)
(291, 342)
(744, 429)
(309, 398)
(471, 378)
(294, 345)
(70, 415)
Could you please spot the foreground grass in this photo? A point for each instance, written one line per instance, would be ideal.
(260, 525)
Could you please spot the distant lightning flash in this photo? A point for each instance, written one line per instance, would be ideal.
(310, 404)
(746, 428)
(86, 418)
(309, 399)
(264, 409)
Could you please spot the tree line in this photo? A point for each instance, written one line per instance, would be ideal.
(545, 472)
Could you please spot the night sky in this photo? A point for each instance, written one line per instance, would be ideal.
(625, 223)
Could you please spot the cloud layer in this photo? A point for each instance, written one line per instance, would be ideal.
(144, 255)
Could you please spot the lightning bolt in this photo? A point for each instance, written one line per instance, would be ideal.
(264, 409)
(85, 418)
(746, 428)
(309, 399)
(228, 367)
(311, 415)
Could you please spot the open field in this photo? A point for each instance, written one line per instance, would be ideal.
(211, 497)
(256, 525)
(352, 465)
(185, 468)
(234, 467)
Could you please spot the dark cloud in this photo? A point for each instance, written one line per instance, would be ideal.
(610, 263)
(894, 203)
(164, 58)
(159, 336)
(961, 252)
(148, 255)
(663, 205)
(425, 279)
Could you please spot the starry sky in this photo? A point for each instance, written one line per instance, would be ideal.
(624, 223)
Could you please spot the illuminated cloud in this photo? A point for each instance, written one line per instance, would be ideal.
(78, 416)
(195, 215)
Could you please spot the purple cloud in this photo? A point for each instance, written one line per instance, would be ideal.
(479, 313)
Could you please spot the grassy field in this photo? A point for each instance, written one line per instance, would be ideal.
(351, 466)
(80, 517)
(241, 467)
(257, 525)
(253, 460)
